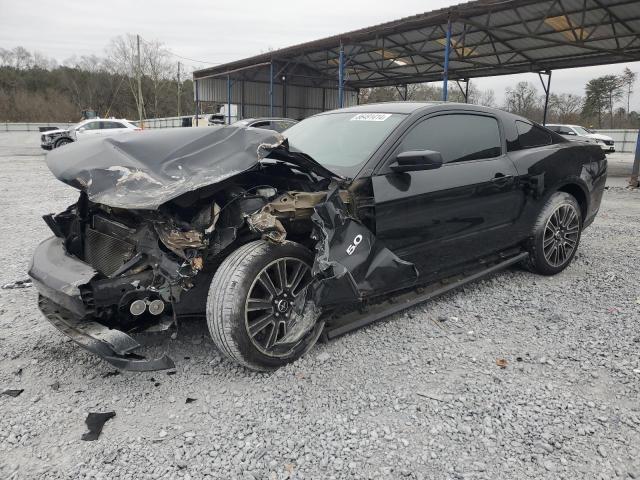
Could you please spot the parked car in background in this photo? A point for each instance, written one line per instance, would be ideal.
(85, 129)
(217, 119)
(576, 132)
(277, 124)
(349, 216)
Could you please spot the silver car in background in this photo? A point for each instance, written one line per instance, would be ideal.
(576, 132)
(86, 129)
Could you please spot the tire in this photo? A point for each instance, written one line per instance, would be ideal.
(62, 141)
(243, 275)
(556, 235)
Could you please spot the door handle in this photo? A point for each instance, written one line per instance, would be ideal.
(501, 178)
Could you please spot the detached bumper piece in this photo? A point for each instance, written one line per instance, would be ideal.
(58, 278)
(113, 346)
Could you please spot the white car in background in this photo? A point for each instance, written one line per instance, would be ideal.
(576, 132)
(85, 129)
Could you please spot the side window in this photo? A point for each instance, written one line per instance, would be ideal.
(281, 125)
(92, 126)
(554, 128)
(266, 125)
(458, 137)
(109, 125)
(530, 136)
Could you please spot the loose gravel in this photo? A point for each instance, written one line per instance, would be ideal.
(516, 376)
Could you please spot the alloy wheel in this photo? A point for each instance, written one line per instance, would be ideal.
(561, 235)
(270, 308)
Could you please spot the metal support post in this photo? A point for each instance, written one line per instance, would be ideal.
(447, 52)
(635, 171)
(228, 100)
(271, 89)
(547, 89)
(341, 78)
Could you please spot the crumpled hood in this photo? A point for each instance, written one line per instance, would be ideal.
(57, 131)
(143, 170)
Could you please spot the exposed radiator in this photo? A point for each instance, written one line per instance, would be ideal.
(104, 252)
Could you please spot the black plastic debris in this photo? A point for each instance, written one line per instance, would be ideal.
(190, 400)
(26, 283)
(95, 422)
(12, 392)
(111, 374)
(351, 264)
(173, 372)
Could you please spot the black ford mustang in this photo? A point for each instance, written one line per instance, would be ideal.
(352, 215)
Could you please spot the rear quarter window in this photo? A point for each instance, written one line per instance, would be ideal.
(530, 136)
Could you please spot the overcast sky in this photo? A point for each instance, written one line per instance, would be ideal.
(220, 31)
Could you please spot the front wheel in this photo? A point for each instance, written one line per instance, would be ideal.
(62, 142)
(257, 311)
(556, 235)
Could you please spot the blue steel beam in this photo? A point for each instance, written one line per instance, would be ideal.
(341, 78)
(228, 100)
(447, 52)
(197, 102)
(271, 89)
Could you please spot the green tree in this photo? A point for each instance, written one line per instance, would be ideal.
(628, 80)
(601, 95)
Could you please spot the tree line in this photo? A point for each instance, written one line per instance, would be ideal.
(34, 88)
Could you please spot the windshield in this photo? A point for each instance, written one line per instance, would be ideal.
(581, 131)
(342, 142)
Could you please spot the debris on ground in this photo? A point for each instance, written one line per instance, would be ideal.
(501, 362)
(13, 392)
(95, 422)
(26, 283)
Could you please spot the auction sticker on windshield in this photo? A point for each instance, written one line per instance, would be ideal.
(371, 117)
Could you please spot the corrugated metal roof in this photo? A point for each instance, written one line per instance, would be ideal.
(489, 37)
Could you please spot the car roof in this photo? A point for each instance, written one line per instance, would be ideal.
(264, 119)
(413, 107)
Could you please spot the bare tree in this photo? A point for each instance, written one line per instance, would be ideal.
(160, 70)
(522, 99)
(566, 107)
(122, 54)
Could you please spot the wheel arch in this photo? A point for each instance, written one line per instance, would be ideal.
(579, 192)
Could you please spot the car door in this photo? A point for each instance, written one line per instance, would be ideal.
(444, 217)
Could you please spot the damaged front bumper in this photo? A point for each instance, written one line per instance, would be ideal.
(59, 277)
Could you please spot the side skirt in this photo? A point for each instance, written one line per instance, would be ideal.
(371, 313)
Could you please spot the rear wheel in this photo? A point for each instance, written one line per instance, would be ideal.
(556, 235)
(256, 308)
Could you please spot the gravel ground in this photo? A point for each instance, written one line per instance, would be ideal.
(421, 395)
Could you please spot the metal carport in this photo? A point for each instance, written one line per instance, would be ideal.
(486, 38)
(475, 39)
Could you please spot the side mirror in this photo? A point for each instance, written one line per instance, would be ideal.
(81, 129)
(416, 160)
(571, 133)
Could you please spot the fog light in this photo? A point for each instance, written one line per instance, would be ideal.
(156, 307)
(138, 307)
